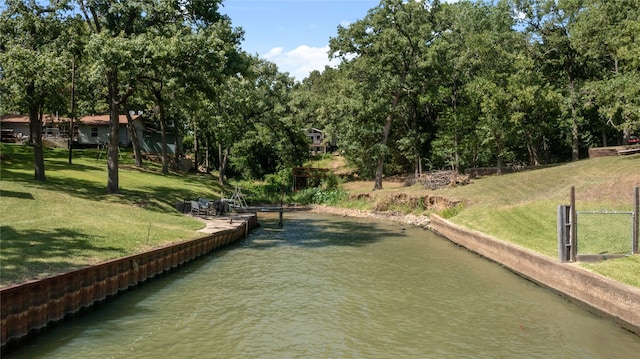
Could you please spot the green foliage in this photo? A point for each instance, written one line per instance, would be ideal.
(451, 212)
(421, 84)
(318, 195)
(67, 222)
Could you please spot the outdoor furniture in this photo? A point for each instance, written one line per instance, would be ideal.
(196, 209)
(221, 206)
(206, 206)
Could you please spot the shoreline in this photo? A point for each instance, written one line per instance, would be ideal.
(598, 294)
(409, 219)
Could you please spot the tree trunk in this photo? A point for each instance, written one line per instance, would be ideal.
(35, 125)
(163, 136)
(135, 141)
(454, 103)
(112, 150)
(575, 140)
(224, 155)
(532, 148)
(220, 165)
(196, 148)
(73, 109)
(206, 155)
(385, 137)
(178, 152)
(603, 132)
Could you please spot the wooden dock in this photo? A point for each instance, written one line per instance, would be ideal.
(270, 208)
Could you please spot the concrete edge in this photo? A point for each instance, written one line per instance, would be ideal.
(598, 294)
(29, 308)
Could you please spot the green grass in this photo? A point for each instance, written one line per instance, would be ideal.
(69, 221)
(522, 207)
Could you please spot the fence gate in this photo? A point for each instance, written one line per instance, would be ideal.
(604, 233)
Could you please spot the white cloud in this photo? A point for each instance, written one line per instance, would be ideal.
(300, 61)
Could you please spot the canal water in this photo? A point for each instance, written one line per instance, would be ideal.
(335, 287)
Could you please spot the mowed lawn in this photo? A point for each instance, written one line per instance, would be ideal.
(69, 221)
(522, 207)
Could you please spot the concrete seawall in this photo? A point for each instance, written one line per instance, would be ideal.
(31, 306)
(598, 294)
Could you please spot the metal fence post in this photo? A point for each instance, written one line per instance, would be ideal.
(636, 219)
(573, 236)
(564, 230)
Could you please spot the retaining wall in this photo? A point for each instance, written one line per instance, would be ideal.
(601, 295)
(32, 306)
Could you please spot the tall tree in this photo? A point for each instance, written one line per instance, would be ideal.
(608, 33)
(384, 53)
(34, 65)
(118, 45)
(549, 22)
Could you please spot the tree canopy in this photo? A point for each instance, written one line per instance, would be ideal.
(421, 85)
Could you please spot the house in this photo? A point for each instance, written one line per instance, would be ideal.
(91, 131)
(17, 123)
(88, 131)
(94, 130)
(317, 145)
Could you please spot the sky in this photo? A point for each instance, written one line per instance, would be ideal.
(293, 34)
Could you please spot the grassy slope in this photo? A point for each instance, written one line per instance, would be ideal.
(521, 207)
(68, 221)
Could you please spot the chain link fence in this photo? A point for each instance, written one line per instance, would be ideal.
(604, 233)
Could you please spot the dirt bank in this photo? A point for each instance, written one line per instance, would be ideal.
(409, 219)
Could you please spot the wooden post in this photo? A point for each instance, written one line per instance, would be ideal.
(280, 224)
(636, 220)
(574, 230)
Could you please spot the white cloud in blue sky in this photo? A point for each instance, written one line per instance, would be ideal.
(294, 34)
(299, 62)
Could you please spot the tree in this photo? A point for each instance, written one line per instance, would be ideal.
(564, 65)
(114, 26)
(608, 35)
(189, 60)
(122, 32)
(34, 65)
(257, 119)
(384, 53)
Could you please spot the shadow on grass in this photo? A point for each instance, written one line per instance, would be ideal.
(17, 166)
(15, 194)
(39, 252)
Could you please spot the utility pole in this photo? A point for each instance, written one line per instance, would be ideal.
(73, 108)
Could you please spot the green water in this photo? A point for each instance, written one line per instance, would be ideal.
(333, 287)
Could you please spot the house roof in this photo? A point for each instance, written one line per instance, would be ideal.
(99, 120)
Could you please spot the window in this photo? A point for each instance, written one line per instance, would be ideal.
(94, 132)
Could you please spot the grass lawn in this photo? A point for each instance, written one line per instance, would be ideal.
(521, 207)
(69, 221)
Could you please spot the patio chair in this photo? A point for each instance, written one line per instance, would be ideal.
(206, 206)
(196, 210)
